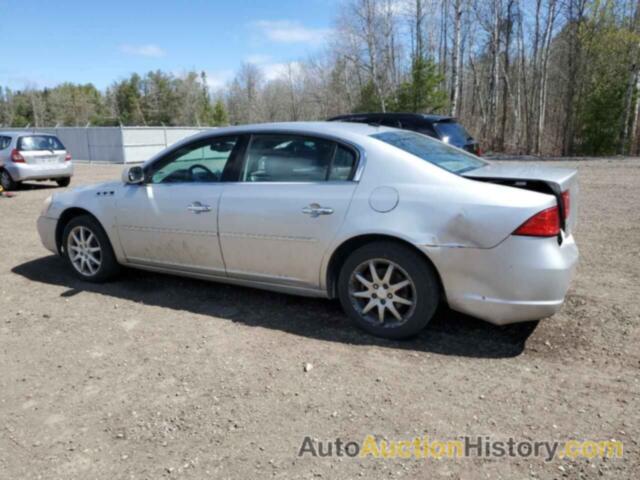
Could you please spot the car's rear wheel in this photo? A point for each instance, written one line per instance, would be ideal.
(88, 250)
(388, 289)
(7, 182)
(63, 182)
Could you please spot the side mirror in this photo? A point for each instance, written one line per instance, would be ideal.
(133, 175)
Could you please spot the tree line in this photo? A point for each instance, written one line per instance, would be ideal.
(552, 77)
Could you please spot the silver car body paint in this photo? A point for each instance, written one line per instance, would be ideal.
(38, 164)
(256, 234)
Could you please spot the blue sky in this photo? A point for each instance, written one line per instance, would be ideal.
(44, 43)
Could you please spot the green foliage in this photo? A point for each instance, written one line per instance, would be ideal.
(220, 117)
(608, 48)
(421, 93)
(369, 99)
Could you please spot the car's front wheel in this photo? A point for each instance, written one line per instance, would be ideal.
(7, 182)
(388, 289)
(88, 250)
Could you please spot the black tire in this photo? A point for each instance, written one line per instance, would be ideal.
(63, 182)
(424, 292)
(108, 267)
(7, 182)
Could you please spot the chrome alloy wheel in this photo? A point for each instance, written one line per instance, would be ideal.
(382, 292)
(84, 251)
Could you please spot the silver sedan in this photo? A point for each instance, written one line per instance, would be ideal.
(391, 222)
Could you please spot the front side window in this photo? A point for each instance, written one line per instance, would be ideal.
(198, 162)
(292, 158)
(4, 142)
(433, 151)
(39, 142)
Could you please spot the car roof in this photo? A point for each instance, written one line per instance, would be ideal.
(23, 134)
(396, 116)
(337, 129)
(345, 131)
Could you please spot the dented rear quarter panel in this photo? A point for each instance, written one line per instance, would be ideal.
(435, 207)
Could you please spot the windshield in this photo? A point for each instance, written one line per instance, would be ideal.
(39, 142)
(453, 132)
(433, 151)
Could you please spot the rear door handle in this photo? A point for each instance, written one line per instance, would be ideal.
(197, 207)
(315, 210)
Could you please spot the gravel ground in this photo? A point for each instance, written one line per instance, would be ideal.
(156, 376)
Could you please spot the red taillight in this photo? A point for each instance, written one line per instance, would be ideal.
(543, 224)
(16, 157)
(566, 203)
(67, 157)
(478, 151)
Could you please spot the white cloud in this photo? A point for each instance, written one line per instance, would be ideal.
(148, 50)
(273, 71)
(257, 59)
(286, 31)
(217, 79)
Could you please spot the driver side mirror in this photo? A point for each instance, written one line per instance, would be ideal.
(133, 175)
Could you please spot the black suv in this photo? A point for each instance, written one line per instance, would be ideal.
(443, 128)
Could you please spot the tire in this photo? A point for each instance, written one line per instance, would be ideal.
(81, 235)
(63, 182)
(7, 182)
(357, 296)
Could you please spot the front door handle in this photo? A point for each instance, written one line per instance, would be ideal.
(316, 210)
(197, 207)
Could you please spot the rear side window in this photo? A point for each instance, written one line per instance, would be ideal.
(343, 164)
(39, 142)
(293, 158)
(432, 151)
(5, 142)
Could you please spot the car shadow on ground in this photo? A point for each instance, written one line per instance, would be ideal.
(449, 333)
(23, 187)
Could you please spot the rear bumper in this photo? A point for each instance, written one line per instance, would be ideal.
(523, 278)
(47, 232)
(24, 171)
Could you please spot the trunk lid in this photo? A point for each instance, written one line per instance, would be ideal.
(541, 178)
(43, 157)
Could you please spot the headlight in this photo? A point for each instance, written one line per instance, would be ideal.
(46, 206)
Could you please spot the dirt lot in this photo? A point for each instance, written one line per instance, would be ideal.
(156, 376)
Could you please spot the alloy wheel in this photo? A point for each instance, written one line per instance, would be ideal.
(382, 292)
(84, 251)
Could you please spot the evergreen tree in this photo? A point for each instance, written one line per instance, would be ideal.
(220, 117)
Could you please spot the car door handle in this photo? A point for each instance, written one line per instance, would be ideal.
(316, 210)
(197, 207)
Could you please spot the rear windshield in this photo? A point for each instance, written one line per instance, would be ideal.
(452, 132)
(433, 151)
(39, 142)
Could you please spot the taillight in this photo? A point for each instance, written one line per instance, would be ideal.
(16, 157)
(67, 157)
(478, 150)
(543, 224)
(566, 203)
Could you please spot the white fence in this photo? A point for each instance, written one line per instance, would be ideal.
(114, 144)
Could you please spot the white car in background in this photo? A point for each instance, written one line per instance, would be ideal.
(33, 156)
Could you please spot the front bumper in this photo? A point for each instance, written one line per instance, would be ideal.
(25, 171)
(47, 232)
(521, 279)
